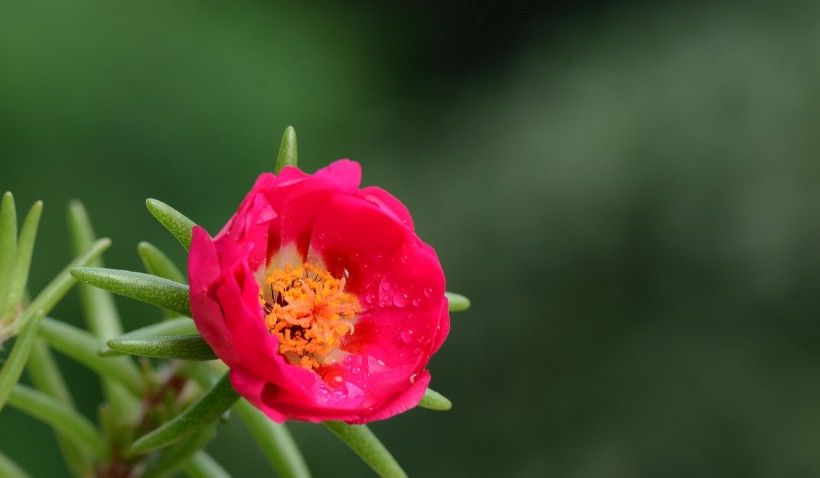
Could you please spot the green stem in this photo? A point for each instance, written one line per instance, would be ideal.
(276, 442)
(68, 422)
(10, 469)
(202, 465)
(175, 457)
(362, 441)
(18, 357)
(60, 285)
(202, 413)
(47, 378)
(99, 310)
(82, 347)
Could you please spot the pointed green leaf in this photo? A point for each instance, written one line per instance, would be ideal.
(10, 469)
(175, 457)
(82, 347)
(13, 368)
(184, 347)
(435, 401)
(46, 377)
(457, 302)
(176, 326)
(136, 285)
(287, 150)
(68, 422)
(8, 247)
(22, 263)
(362, 441)
(276, 442)
(200, 414)
(176, 222)
(158, 264)
(60, 285)
(203, 466)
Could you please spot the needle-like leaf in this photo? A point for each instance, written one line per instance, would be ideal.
(435, 401)
(8, 247)
(158, 264)
(136, 285)
(60, 285)
(22, 262)
(275, 440)
(457, 302)
(175, 326)
(183, 347)
(362, 441)
(287, 150)
(176, 222)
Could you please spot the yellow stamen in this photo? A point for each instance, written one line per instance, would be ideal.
(309, 311)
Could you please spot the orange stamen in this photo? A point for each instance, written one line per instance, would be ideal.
(309, 311)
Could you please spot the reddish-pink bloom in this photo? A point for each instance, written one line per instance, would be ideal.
(320, 298)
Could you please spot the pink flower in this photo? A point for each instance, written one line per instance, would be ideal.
(320, 298)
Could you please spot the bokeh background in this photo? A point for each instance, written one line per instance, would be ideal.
(629, 192)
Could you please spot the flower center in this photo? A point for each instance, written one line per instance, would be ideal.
(309, 311)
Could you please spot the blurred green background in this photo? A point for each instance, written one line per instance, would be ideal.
(628, 192)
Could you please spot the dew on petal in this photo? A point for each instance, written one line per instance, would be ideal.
(370, 298)
(413, 378)
(406, 336)
(428, 293)
(416, 302)
(400, 299)
(386, 285)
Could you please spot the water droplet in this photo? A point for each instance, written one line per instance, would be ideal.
(386, 285)
(355, 370)
(416, 302)
(355, 256)
(370, 298)
(338, 378)
(400, 300)
(381, 362)
(413, 378)
(406, 336)
(428, 293)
